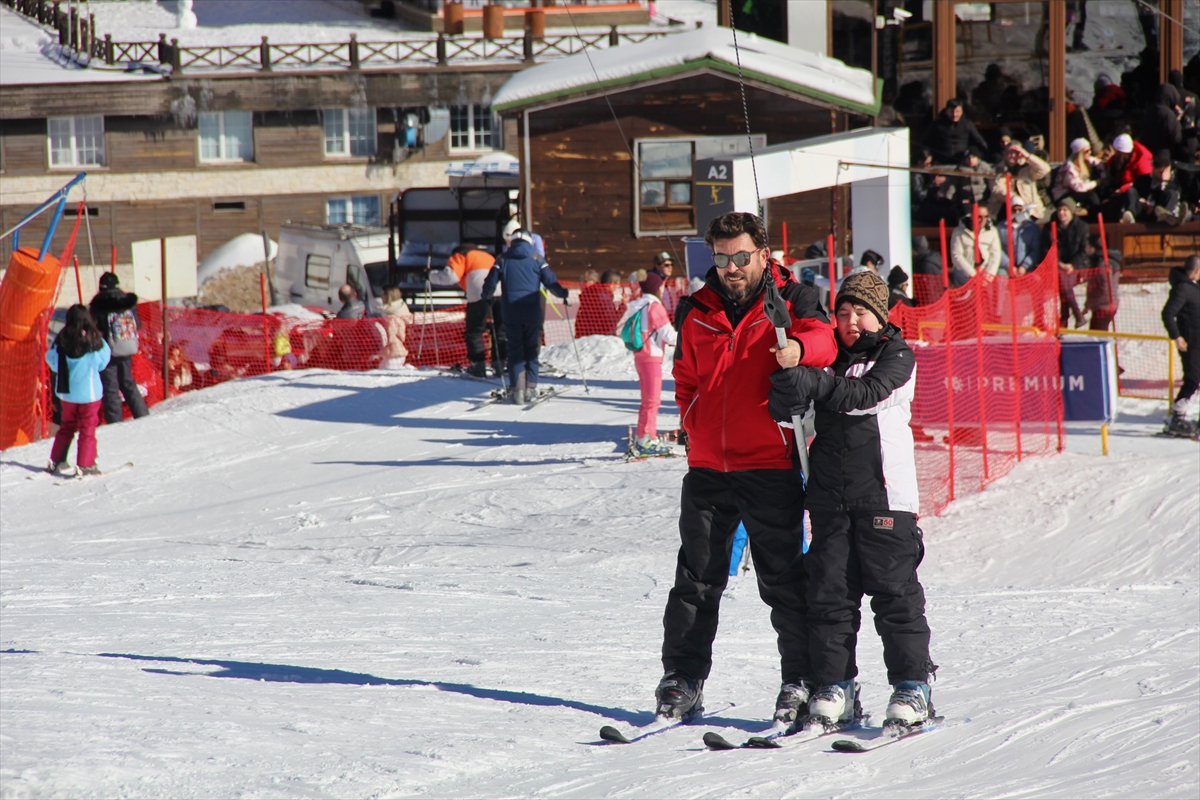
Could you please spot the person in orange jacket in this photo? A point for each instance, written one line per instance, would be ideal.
(468, 266)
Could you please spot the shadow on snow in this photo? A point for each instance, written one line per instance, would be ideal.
(285, 673)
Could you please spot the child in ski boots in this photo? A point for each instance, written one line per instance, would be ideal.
(862, 502)
(655, 334)
(78, 355)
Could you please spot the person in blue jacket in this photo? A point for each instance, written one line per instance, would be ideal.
(522, 273)
(77, 357)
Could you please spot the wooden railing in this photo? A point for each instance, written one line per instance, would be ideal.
(77, 37)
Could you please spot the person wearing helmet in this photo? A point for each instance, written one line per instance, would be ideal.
(521, 273)
(664, 265)
(514, 225)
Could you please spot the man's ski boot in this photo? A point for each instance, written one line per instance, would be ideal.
(834, 703)
(478, 369)
(792, 702)
(678, 696)
(909, 705)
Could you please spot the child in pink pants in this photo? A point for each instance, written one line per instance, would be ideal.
(657, 334)
(76, 359)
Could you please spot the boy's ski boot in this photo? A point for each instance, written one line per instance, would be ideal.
(792, 702)
(1178, 425)
(835, 702)
(909, 705)
(678, 696)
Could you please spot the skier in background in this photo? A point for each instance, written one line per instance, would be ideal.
(468, 266)
(522, 273)
(741, 464)
(863, 502)
(115, 315)
(1181, 317)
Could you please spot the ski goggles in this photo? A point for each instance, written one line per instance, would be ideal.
(738, 260)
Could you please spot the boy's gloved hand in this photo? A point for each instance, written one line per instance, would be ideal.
(790, 393)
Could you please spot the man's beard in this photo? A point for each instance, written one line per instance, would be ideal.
(747, 289)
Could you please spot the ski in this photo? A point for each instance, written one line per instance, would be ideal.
(495, 396)
(891, 733)
(612, 735)
(813, 728)
(630, 457)
(79, 476)
(546, 395)
(715, 741)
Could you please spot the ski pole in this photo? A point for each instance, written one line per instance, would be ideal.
(574, 344)
(781, 318)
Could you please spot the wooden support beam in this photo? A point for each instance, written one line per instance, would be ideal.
(1056, 42)
(944, 54)
(1170, 37)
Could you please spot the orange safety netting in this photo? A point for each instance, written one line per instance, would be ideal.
(988, 389)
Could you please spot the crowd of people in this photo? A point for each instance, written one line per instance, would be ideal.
(1002, 198)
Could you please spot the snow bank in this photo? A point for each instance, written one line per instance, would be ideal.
(244, 250)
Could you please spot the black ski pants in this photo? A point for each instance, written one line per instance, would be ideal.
(770, 503)
(865, 552)
(117, 380)
(477, 324)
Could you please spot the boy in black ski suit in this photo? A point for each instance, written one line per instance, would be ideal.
(863, 504)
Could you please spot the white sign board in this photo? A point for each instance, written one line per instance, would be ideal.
(181, 268)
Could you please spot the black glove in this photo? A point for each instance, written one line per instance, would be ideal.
(790, 393)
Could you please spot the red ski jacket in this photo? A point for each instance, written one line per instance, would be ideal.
(722, 374)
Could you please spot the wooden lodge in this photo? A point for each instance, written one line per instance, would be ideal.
(607, 147)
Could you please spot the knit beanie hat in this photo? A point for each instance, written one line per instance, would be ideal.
(897, 276)
(1123, 143)
(651, 283)
(867, 289)
(109, 280)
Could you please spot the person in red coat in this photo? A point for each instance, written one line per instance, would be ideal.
(742, 465)
(1130, 160)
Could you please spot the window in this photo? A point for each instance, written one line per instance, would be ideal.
(226, 136)
(229, 205)
(316, 272)
(473, 128)
(363, 210)
(664, 199)
(350, 131)
(76, 141)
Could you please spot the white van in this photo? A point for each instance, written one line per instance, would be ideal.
(314, 261)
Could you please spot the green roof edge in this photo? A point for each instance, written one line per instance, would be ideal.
(706, 62)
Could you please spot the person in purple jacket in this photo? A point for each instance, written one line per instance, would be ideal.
(78, 355)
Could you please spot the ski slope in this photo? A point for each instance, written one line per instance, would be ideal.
(316, 584)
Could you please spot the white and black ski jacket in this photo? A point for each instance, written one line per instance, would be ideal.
(863, 455)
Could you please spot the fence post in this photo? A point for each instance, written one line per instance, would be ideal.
(1012, 311)
(262, 285)
(975, 228)
(832, 276)
(91, 35)
(163, 56)
(947, 340)
(72, 25)
(527, 43)
(166, 335)
(176, 57)
(264, 55)
(354, 51)
(108, 50)
(1012, 258)
(945, 255)
(613, 38)
(441, 50)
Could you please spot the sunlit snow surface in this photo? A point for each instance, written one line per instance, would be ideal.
(316, 584)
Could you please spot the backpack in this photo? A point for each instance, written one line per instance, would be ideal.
(123, 333)
(631, 331)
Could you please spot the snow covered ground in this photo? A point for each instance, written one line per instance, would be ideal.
(316, 584)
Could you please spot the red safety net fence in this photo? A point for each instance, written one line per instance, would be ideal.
(988, 388)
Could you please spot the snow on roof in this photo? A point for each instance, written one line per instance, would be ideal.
(31, 55)
(762, 61)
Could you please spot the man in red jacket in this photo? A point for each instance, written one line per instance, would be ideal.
(742, 464)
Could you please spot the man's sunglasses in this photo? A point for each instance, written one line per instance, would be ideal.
(739, 260)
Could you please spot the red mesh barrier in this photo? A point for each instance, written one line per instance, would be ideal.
(988, 390)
